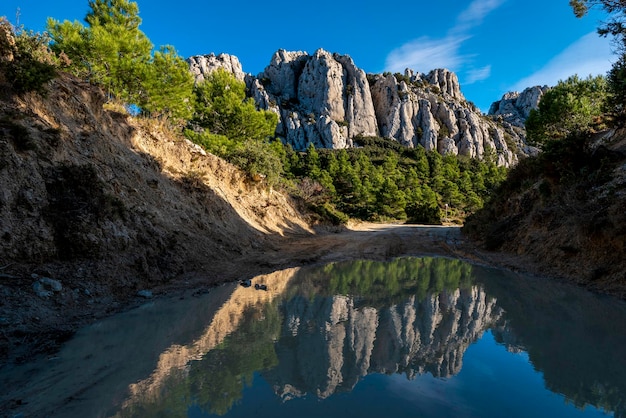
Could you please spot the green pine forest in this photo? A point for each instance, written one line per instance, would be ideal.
(379, 180)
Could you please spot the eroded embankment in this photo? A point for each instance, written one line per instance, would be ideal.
(96, 206)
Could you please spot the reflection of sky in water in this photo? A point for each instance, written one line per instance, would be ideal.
(492, 383)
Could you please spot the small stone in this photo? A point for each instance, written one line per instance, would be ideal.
(41, 291)
(51, 284)
(146, 294)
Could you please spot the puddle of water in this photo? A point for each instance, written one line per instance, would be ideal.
(410, 337)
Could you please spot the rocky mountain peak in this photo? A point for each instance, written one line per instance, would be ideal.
(515, 107)
(447, 81)
(322, 99)
(201, 65)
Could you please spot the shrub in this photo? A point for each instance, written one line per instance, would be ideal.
(259, 161)
(33, 64)
(573, 105)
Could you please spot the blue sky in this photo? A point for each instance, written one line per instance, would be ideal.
(494, 46)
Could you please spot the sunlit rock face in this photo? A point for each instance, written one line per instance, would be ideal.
(515, 107)
(328, 344)
(512, 111)
(324, 99)
(201, 65)
(429, 110)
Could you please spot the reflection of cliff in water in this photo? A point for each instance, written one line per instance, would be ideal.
(318, 331)
(327, 344)
(213, 369)
(406, 316)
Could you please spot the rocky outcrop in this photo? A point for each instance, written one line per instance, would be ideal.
(324, 99)
(201, 65)
(446, 81)
(515, 107)
(512, 111)
(429, 110)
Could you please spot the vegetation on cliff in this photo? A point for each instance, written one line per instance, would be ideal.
(572, 105)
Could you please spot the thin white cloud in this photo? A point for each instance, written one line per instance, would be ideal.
(478, 74)
(590, 55)
(426, 54)
(475, 13)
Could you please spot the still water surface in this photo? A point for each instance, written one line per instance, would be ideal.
(413, 337)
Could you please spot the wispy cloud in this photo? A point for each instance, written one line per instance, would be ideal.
(475, 13)
(597, 55)
(426, 53)
(478, 74)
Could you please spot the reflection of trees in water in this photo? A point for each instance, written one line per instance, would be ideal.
(218, 379)
(215, 382)
(575, 338)
(383, 284)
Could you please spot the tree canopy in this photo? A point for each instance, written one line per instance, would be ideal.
(227, 123)
(615, 26)
(223, 109)
(112, 51)
(572, 105)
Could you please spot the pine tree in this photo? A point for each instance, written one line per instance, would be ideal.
(113, 52)
(222, 108)
(169, 78)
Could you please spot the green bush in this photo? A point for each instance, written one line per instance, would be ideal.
(573, 105)
(33, 64)
(259, 160)
(330, 213)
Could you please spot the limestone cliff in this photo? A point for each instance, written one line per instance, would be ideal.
(326, 100)
(322, 99)
(513, 110)
(201, 65)
(515, 107)
(429, 110)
